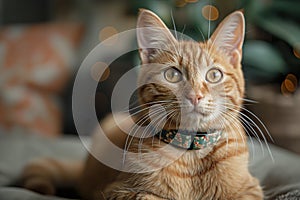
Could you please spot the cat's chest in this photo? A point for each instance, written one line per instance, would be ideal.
(193, 176)
(181, 174)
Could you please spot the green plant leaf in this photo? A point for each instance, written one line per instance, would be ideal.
(264, 58)
(285, 29)
(287, 7)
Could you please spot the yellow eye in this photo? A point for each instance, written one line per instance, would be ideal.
(214, 75)
(173, 75)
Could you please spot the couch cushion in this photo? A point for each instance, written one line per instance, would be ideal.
(36, 62)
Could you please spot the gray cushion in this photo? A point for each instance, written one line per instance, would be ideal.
(12, 193)
(280, 179)
(278, 176)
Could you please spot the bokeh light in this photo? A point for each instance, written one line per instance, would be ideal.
(107, 32)
(293, 79)
(97, 69)
(210, 12)
(191, 1)
(180, 3)
(289, 85)
(296, 50)
(283, 90)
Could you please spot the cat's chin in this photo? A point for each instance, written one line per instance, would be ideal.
(197, 121)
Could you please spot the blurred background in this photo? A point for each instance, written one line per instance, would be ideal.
(43, 42)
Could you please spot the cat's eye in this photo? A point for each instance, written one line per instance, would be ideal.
(173, 75)
(214, 75)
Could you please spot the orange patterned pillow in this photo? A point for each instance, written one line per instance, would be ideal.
(35, 64)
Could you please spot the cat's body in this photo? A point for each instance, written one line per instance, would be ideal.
(219, 175)
(202, 86)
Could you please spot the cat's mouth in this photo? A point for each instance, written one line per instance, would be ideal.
(196, 112)
(199, 112)
(199, 119)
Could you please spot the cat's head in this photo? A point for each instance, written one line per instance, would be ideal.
(195, 82)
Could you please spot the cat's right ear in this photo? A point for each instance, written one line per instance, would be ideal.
(229, 37)
(152, 35)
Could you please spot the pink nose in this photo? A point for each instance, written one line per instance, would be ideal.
(195, 98)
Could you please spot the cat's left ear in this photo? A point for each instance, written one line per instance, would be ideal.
(152, 36)
(229, 37)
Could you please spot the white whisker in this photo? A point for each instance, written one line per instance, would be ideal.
(251, 140)
(249, 100)
(209, 21)
(201, 33)
(248, 126)
(135, 128)
(236, 125)
(174, 25)
(256, 126)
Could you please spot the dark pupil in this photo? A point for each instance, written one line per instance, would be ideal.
(174, 73)
(215, 74)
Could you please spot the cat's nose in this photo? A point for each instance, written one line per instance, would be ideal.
(194, 98)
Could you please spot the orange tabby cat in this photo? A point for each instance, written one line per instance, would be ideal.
(200, 151)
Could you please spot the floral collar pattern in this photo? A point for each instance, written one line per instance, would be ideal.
(189, 140)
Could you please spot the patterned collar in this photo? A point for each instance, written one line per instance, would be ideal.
(189, 140)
